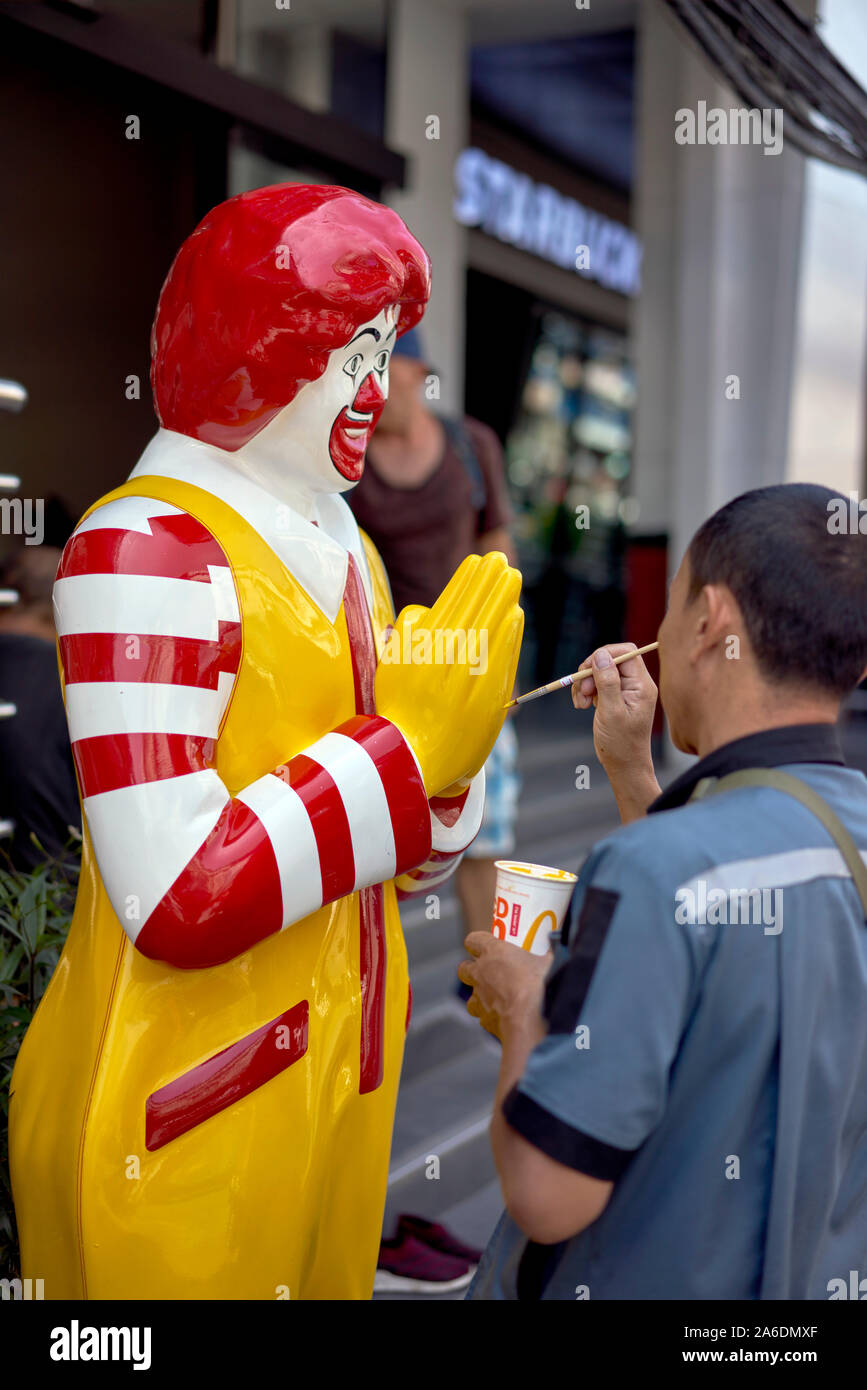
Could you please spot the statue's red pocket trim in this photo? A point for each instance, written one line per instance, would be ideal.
(226, 1077)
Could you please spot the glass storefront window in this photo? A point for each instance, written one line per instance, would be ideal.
(569, 461)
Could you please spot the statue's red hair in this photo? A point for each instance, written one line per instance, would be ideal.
(268, 284)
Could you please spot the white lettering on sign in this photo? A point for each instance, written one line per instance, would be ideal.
(511, 207)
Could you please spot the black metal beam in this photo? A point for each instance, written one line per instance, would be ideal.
(328, 143)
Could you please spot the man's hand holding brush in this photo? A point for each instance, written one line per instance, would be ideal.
(624, 697)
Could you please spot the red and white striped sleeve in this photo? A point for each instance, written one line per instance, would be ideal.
(455, 824)
(150, 642)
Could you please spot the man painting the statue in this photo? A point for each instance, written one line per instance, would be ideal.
(203, 1105)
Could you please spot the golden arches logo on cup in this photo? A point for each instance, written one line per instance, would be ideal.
(530, 903)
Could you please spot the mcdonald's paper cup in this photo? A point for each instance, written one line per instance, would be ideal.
(530, 903)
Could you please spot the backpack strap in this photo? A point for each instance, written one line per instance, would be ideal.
(795, 787)
(459, 437)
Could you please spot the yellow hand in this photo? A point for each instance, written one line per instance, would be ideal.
(447, 672)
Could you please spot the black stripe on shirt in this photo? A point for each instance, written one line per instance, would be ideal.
(567, 988)
(562, 1142)
(564, 1000)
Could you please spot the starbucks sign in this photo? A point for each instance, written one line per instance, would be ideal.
(534, 217)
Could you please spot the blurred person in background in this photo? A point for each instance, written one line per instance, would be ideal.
(434, 491)
(37, 779)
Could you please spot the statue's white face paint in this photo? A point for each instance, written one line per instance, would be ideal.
(318, 441)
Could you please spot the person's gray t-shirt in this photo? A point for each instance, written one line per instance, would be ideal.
(715, 1070)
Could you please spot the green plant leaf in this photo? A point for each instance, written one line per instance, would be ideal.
(35, 914)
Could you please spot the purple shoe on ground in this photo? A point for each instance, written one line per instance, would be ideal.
(407, 1265)
(438, 1238)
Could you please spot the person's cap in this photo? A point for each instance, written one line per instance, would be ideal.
(409, 345)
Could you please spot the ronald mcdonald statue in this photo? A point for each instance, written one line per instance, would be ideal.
(203, 1105)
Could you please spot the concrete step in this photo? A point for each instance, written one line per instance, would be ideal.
(466, 1165)
(557, 759)
(461, 1085)
(427, 941)
(564, 806)
(473, 1219)
(443, 1112)
(435, 981)
(438, 1034)
(559, 781)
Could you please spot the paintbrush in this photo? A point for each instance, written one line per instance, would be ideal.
(576, 676)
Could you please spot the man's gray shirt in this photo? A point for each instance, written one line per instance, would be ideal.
(715, 1070)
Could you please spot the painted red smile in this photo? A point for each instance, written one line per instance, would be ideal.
(352, 430)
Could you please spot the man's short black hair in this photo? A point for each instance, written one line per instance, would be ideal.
(799, 578)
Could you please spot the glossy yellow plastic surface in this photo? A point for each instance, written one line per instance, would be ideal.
(477, 613)
(281, 1194)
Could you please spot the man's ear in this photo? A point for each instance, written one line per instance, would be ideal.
(717, 618)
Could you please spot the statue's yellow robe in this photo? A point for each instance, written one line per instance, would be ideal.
(281, 1194)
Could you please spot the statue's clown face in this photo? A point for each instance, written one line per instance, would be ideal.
(320, 437)
(363, 367)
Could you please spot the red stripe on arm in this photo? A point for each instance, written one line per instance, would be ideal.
(226, 899)
(404, 789)
(179, 548)
(324, 805)
(109, 656)
(122, 760)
